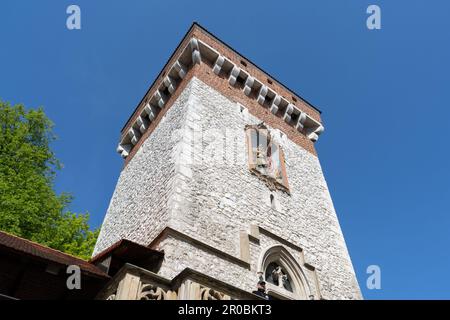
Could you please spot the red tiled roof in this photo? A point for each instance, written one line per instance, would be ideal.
(121, 247)
(33, 249)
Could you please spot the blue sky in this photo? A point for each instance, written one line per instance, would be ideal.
(384, 95)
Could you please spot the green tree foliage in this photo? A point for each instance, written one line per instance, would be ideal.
(29, 207)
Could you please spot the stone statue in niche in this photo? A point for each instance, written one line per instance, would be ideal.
(151, 292)
(211, 294)
(261, 158)
(266, 159)
(276, 275)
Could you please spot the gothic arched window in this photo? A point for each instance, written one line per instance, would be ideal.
(285, 278)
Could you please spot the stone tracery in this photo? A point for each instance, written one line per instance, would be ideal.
(151, 292)
(211, 294)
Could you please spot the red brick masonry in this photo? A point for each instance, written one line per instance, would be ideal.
(204, 72)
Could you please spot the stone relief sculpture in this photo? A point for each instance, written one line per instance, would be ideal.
(111, 297)
(211, 294)
(266, 159)
(286, 278)
(151, 292)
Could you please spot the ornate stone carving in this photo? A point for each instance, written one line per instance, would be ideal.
(151, 292)
(285, 276)
(264, 162)
(211, 294)
(279, 277)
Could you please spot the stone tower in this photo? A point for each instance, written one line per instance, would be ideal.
(221, 176)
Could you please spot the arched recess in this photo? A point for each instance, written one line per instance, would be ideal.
(279, 255)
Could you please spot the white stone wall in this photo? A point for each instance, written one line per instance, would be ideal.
(139, 208)
(212, 200)
(179, 255)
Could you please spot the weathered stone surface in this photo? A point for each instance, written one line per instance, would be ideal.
(138, 210)
(192, 175)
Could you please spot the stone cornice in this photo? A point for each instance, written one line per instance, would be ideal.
(175, 283)
(192, 51)
(170, 232)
